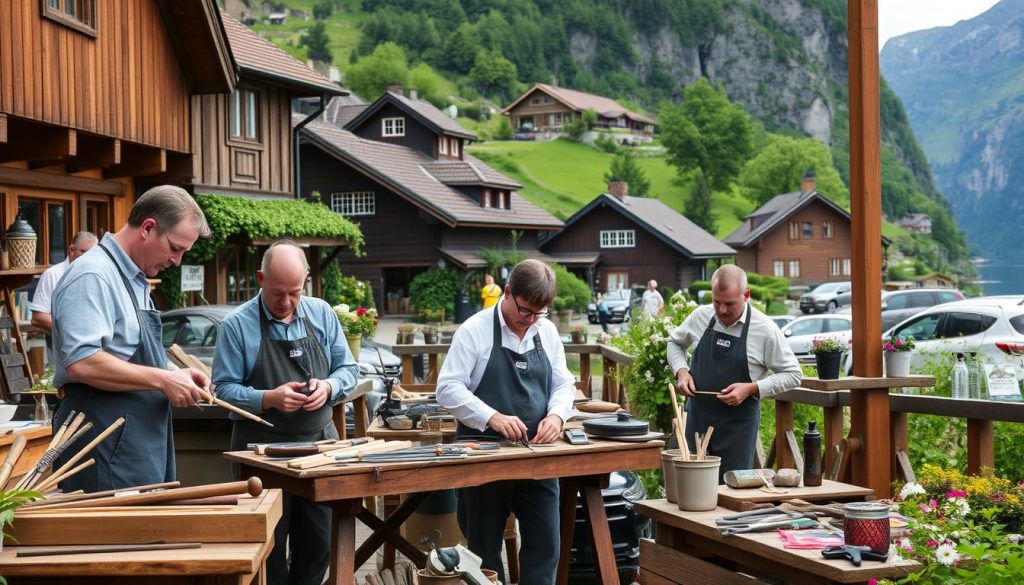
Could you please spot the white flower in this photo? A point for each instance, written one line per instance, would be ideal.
(946, 554)
(1015, 538)
(656, 338)
(691, 303)
(911, 489)
(342, 308)
(905, 544)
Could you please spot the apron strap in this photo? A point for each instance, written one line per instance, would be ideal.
(124, 279)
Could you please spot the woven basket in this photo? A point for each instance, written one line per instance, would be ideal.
(22, 252)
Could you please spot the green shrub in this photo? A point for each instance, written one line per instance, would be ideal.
(339, 289)
(606, 143)
(434, 290)
(570, 291)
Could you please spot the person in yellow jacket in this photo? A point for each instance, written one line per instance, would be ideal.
(490, 293)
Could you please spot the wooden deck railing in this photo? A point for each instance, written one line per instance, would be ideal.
(980, 414)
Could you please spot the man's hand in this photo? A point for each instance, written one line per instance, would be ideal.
(735, 394)
(321, 391)
(181, 387)
(507, 426)
(549, 429)
(287, 397)
(684, 381)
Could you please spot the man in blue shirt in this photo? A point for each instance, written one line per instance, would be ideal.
(284, 357)
(110, 360)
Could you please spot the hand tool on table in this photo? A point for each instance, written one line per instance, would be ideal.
(104, 548)
(853, 553)
(330, 457)
(791, 523)
(253, 486)
(525, 442)
(60, 498)
(299, 448)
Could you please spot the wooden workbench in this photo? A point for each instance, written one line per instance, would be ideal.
(582, 469)
(748, 499)
(684, 540)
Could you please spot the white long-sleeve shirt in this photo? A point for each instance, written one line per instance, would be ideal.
(468, 356)
(767, 349)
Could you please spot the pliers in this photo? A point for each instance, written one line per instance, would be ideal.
(853, 553)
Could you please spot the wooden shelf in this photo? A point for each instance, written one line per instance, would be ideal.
(32, 271)
(858, 383)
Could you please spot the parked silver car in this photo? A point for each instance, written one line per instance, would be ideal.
(824, 299)
(899, 305)
(801, 332)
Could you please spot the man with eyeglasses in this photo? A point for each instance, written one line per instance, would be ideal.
(107, 337)
(505, 377)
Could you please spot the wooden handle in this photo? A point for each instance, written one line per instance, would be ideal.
(75, 497)
(105, 548)
(52, 481)
(12, 459)
(92, 444)
(253, 486)
(227, 406)
(684, 449)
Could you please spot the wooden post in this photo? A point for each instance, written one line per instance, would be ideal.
(833, 433)
(869, 408)
(898, 433)
(783, 422)
(585, 373)
(980, 445)
(609, 390)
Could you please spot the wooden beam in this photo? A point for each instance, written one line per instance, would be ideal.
(24, 178)
(138, 161)
(36, 142)
(980, 446)
(3, 128)
(96, 152)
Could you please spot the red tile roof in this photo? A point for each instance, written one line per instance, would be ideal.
(258, 57)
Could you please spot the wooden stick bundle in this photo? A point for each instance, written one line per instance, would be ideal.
(253, 486)
(68, 434)
(684, 449)
(85, 450)
(52, 481)
(17, 448)
(702, 443)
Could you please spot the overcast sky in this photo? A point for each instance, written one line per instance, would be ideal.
(897, 17)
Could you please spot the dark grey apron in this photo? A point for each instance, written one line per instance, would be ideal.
(718, 361)
(142, 450)
(304, 526)
(513, 384)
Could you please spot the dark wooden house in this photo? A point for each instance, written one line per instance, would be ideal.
(398, 168)
(635, 239)
(802, 236)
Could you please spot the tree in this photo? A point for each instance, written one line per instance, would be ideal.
(589, 118)
(323, 10)
(782, 162)
(317, 44)
(504, 129)
(429, 84)
(493, 73)
(624, 168)
(371, 76)
(698, 207)
(707, 132)
(461, 49)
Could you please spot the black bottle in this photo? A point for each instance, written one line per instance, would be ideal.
(812, 455)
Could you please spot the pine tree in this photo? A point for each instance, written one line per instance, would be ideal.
(698, 207)
(317, 43)
(624, 168)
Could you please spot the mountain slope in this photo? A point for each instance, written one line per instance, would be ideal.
(963, 89)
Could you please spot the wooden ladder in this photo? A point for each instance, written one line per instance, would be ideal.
(15, 372)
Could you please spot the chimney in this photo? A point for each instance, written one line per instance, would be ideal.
(808, 182)
(619, 189)
(413, 94)
(395, 88)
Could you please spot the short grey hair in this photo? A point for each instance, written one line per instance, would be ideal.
(265, 263)
(534, 282)
(729, 275)
(168, 205)
(83, 236)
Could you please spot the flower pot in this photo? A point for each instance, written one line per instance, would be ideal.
(562, 320)
(429, 338)
(828, 364)
(579, 336)
(353, 344)
(897, 364)
(668, 473)
(697, 483)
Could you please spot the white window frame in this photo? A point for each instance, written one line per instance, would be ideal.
(794, 269)
(354, 203)
(443, 147)
(392, 127)
(617, 239)
(847, 267)
(826, 230)
(535, 101)
(835, 266)
(455, 146)
(488, 200)
(794, 230)
(779, 268)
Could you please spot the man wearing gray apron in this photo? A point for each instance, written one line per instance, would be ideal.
(505, 377)
(734, 344)
(107, 338)
(284, 356)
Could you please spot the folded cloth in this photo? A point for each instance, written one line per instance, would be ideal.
(809, 539)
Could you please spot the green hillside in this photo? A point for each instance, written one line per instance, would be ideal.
(562, 176)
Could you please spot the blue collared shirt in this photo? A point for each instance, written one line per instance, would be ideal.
(238, 346)
(91, 308)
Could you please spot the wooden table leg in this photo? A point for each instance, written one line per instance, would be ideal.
(385, 531)
(604, 555)
(343, 541)
(567, 494)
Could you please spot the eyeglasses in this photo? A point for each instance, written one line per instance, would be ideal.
(526, 313)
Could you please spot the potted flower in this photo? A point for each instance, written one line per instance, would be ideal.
(357, 324)
(827, 352)
(897, 355)
(578, 333)
(406, 333)
(429, 334)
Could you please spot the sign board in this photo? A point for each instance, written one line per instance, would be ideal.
(191, 278)
(1002, 382)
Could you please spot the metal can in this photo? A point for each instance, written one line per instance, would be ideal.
(867, 524)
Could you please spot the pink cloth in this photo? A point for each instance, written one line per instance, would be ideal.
(809, 539)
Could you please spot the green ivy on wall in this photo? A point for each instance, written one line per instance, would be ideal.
(231, 217)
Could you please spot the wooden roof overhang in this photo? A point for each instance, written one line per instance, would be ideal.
(201, 44)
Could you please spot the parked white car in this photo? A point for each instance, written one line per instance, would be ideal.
(801, 331)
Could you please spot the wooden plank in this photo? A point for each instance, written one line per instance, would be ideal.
(868, 382)
(980, 446)
(52, 182)
(39, 142)
(674, 566)
(6, 57)
(17, 54)
(3, 126)
(794, 448)
(745, 499)
(898, 434)
(832, 433)
(783, 422)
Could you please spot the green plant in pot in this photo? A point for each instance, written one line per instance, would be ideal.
(578, 333)
(828, 352)
(429, 334)
(406, 333)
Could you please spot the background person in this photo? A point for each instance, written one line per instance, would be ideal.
(602, 312)
(505, 377)
(40, 305)
(490, 292)
(268, 350)
(652, 301)
(107, 337)
(734, 344)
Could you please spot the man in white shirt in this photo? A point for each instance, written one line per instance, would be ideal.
(736, 348)
(505, 377)
(40, 305)
(652, 301)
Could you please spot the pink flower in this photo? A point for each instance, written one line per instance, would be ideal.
(956, 494)
(872, 581)
(932, 543)
(361, 311)
(888, 347)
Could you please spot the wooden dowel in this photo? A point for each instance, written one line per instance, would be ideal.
(78, 496)
(17, 448)
(684, 449)
(52, 481)
(55, 439)
(707, 440)
(227, 406)
(253, 486)
(105, 548)
(92, 444)
(50, 457)
(71, 429)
